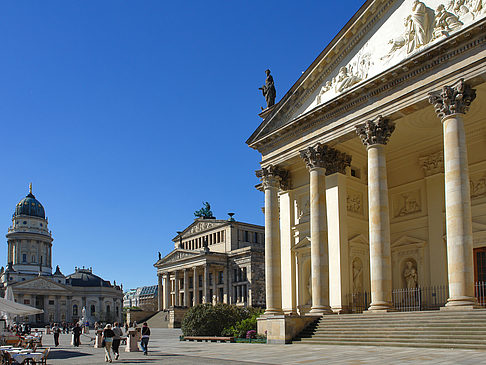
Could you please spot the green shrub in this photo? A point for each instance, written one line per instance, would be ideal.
(209, 320)
(241, 328)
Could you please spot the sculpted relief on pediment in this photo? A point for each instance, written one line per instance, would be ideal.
(39, 284)
(410, 28)
(201, 226)
(178, 255)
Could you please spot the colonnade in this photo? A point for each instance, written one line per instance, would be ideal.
(190, 286)
(450, 104)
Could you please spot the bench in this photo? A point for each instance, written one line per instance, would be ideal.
(208, 338)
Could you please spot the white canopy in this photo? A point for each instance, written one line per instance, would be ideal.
(17, 309)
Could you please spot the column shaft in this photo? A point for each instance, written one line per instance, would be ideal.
(319, 247)
(176, 288)
(186, 288)
(160, 296)
(195, 289)
(458, 214)
(206, 284)
(379, 225)
(166, 291)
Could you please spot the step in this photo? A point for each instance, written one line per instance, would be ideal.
(424, 332)
(396, 344)
(433, 338)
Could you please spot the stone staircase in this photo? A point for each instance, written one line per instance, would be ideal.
(434, 329)
(158, 320)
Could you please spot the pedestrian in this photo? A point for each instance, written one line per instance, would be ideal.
(56, 331)
(145, 338)
(76, 334)
(116, 339)
(107, 337)
(126, 327)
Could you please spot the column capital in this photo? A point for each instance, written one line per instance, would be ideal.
(454, 99)
(323, 156)
(274, 176)
(376, 131)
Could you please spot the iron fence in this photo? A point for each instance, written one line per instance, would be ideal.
(415, 299)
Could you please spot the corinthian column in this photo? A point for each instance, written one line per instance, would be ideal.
(317, 159)
(450, 105)
(272, 178)
(375, 135)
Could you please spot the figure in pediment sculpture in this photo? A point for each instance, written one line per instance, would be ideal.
(345, 79)
(268, 90)
(419, 26)
(445, 22)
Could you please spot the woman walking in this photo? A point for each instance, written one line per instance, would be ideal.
(145, 338)
(108, 335)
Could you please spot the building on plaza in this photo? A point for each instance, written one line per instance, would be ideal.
(144, 297)
(29, 274)
(374, 165)
(213, 261)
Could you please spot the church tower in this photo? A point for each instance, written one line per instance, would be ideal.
(29, 240)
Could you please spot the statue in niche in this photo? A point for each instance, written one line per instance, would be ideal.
(357, 276)
(419, 26)
(410, 275)
(445, 22)
(268, 90)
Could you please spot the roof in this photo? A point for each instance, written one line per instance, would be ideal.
(85, 278)
(30, 206)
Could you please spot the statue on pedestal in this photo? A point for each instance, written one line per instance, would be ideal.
(268, 90)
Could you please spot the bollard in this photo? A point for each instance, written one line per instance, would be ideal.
(133, 338)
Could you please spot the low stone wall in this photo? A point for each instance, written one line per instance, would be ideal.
(175, 316)
(282, 329)
(137, 315)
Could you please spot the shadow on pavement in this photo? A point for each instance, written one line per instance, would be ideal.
(65, 354)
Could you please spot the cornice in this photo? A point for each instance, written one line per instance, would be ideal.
(464, 41)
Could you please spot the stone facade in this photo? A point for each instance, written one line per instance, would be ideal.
(29, 274)
(381, 146)
(214, 261)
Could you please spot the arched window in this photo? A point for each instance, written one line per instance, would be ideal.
(117, 311)
(75, 310)
(108, 309)
(93, 310)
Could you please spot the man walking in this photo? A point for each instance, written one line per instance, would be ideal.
(56, 331)
(116, 339)
(145, 338)
(77, 335)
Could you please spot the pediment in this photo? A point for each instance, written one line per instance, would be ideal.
(177, 255)
(304, 243)
(407, 241)
(380, 36)
(202, 225)
(40, 284)
(359, 239)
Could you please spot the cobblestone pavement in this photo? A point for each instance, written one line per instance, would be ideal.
(165, 348)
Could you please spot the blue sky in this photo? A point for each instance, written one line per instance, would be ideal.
(127, 115)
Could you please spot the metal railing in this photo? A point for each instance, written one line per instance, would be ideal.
(415, 299)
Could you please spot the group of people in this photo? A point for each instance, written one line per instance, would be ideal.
(112, 336)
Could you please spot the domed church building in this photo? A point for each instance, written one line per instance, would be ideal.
(29, 274)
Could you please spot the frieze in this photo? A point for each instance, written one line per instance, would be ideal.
(406, 203)
(202, 226)
(433, 163)
(354, 202)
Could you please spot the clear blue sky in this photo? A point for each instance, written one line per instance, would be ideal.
(127, 115)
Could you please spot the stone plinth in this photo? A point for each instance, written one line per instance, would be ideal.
(133, 338)
(281, 329)
(175, 317)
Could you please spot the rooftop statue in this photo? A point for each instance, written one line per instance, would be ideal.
(204, 212)
(268, 90)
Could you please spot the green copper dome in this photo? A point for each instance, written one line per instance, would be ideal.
(30, 206)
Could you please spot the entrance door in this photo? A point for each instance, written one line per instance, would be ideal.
(480, 274)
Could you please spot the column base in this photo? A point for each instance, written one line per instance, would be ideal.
(461, 303)
(273, 312)
(380, 307)
(320, 311)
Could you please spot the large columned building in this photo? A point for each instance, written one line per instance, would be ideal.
(29, 274)
(213, 261)
(374, 164)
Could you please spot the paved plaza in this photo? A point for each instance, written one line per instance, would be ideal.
(165, 348)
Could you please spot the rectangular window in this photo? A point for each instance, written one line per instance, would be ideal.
(221, 295)
(220, 277)
(51, 302)
(246, 236)
(191, 282)
(244, 278)
(235, 275)
(24, 257)
(210, 278)
(27, 301)
(255, 237)
(200, 280)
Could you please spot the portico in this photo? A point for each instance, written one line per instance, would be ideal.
(381, 142)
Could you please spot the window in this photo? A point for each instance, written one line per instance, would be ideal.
(211, 279)
(246, 236)
(33, 258)
(75, 310)
(255, 237)
(93, 310)
(108, 309)
(220, 277)
(24, 257)
(200, 280)
(27, 301)
(51, 302)
(221, 294)
(235, 275)
(480, 264)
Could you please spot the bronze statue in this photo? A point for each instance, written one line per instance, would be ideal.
(268, 90)
(204, 212)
